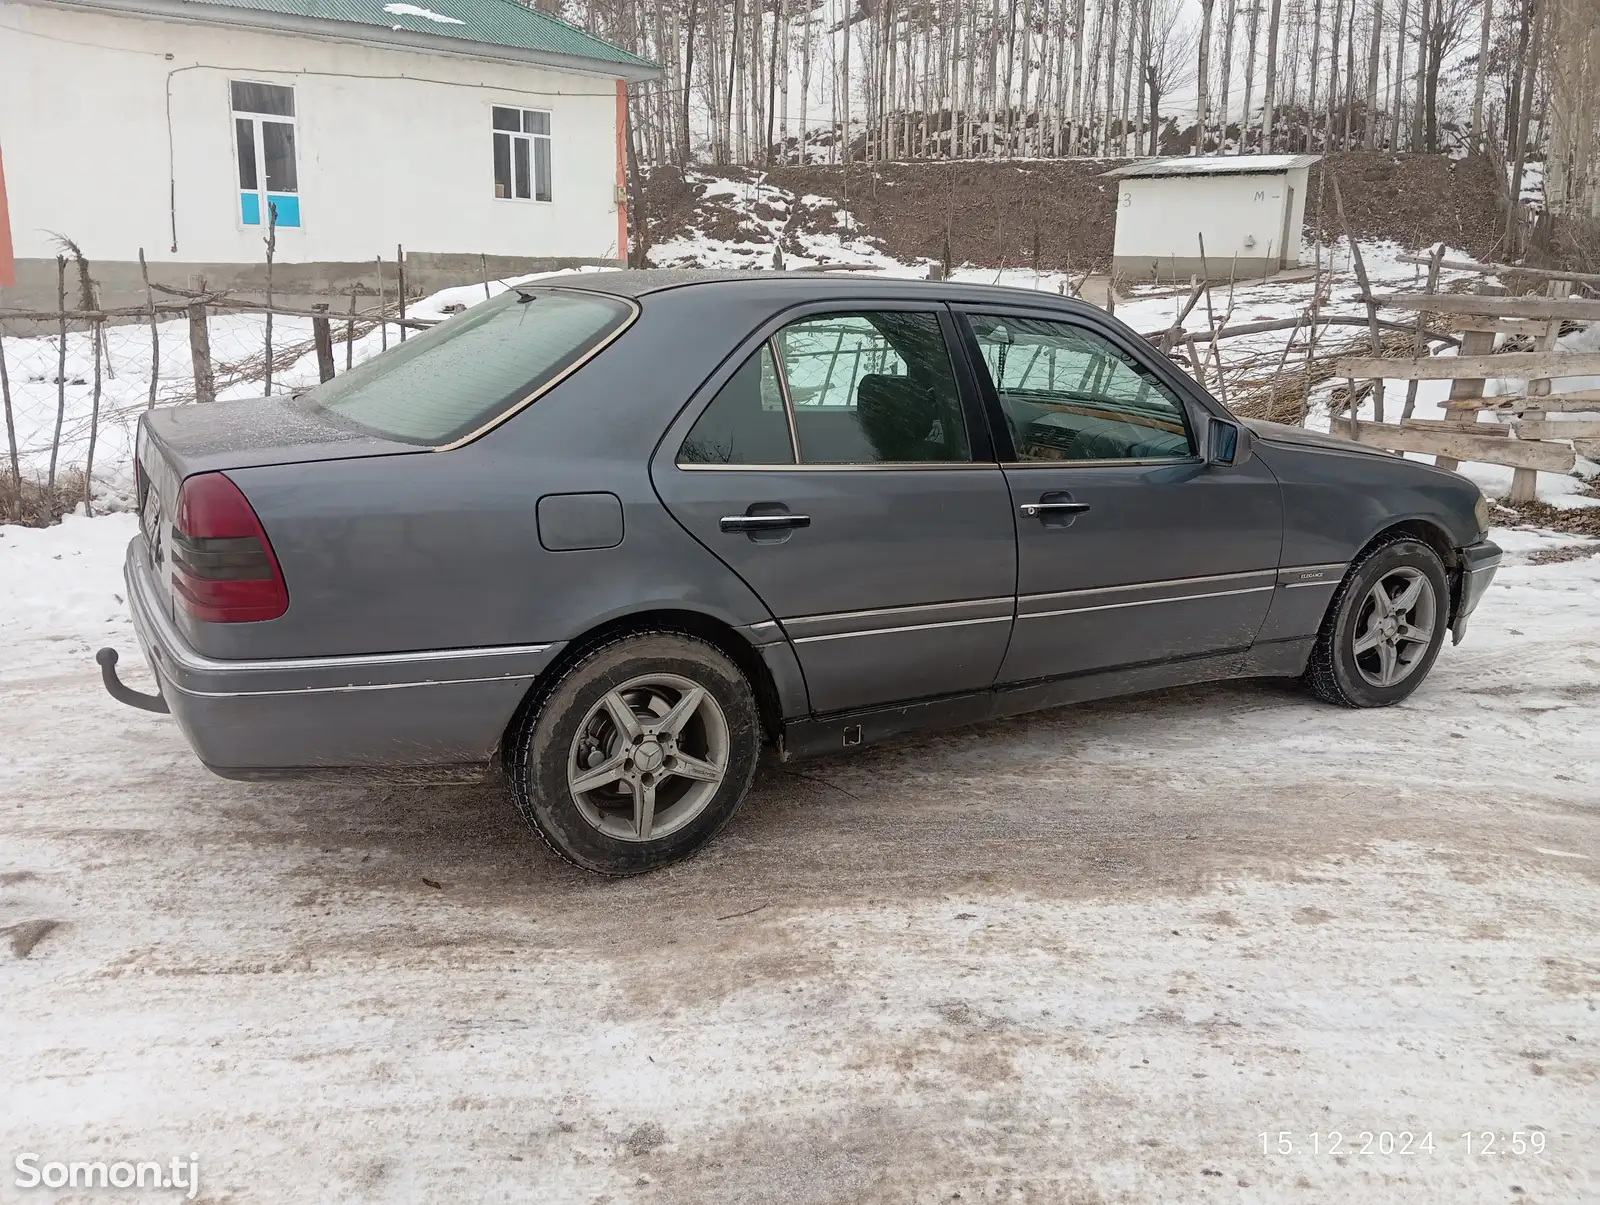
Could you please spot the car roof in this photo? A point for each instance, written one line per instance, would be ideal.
(813, 286)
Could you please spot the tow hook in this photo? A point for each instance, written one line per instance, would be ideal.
(122, 693)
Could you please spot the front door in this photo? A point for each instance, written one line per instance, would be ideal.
(1130, 549)
(837, 472)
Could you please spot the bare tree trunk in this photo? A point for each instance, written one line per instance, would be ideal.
(1269, 98)
(805, 81)
(1397, 118)
(1139, 141)
(1128, 55)
(1252, 40)
(1483, 76)
(1350, 80)
(1078, 40)
(1111, 75)
(1333, 72)
(685, 149)
(1203, 88)
(1536, 14)
(844, 89)
(1373, 53)
(1230, 16)
(1316, 64)
(1419, 108)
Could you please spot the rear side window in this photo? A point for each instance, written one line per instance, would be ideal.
(746, 422)
(448, 382)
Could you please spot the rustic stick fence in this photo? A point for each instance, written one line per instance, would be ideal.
(1530, 443)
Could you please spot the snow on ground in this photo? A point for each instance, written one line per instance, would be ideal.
(1091, 955)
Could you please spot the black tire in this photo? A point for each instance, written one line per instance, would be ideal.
(545, 741)
(1333, 673)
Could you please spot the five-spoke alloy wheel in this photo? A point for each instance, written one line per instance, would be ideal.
(641, 750)
(1384, 626)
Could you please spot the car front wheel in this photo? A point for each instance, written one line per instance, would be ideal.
(1384, 627)
(639, 753)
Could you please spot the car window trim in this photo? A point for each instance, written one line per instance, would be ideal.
(963, 312)
(979, 439)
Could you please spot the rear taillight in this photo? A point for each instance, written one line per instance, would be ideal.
(223, 567)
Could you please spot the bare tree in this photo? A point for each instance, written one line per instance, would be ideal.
(1253, 27)
(1373, 53)
(1269, 99)
(1170, 61)
(1203, 102)
(1483, 76)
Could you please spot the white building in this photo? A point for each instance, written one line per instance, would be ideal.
(1249, 208)
(459, 129)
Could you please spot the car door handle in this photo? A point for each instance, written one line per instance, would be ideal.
(763, 522)
(1053, 508)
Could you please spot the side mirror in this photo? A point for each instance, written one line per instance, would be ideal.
(1227, 442)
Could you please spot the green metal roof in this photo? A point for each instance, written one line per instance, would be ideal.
(484, 22)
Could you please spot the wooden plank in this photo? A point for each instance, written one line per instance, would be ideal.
(1575, 308)
(1499, 326)
(1556, 429)
(1462, 426)
(1525, 482)
(1578, 400)
(1528, 365)
(1456, 265)
(1513, 453)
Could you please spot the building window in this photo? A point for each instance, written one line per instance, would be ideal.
(521, 154)
(264, 135)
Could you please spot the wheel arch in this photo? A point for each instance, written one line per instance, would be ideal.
(716, 632)
(1434, 535)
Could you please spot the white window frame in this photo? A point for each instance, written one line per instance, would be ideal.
(532, 140)
(235, 116)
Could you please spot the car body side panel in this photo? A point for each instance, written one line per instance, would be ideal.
(1335, 503)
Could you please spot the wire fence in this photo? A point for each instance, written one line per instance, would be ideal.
(74, 380)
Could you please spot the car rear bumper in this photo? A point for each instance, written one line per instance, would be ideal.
(1478, 565)
(282, 717)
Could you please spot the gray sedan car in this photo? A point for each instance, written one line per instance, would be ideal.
(618, 532)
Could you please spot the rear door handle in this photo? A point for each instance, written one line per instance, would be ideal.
(763, 522)
(1032, 509)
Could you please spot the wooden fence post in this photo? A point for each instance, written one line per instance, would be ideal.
(61, 380)
(1473, 343)
(205, 385)
(97, 331)
(400, 267)
(155, 333)
(1524, 482)
(322, 336)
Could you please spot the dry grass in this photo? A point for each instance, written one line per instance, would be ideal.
(28, 503)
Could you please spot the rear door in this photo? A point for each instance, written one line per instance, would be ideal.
(834, 466)
(1130, 549)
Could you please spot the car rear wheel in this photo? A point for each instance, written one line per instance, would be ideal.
(1384, 627)
(638, 754)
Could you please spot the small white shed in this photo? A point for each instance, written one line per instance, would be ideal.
(1250, 208)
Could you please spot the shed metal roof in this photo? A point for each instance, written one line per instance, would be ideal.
(486, 28)
(1213, 165)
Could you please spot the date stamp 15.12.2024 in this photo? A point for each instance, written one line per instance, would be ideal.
(1476, 1144)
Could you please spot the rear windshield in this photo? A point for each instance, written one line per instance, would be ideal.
(447, 382)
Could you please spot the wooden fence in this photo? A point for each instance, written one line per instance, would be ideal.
(1530, 443)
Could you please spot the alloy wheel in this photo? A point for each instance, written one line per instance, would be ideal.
(1394, 627)
(649, 757)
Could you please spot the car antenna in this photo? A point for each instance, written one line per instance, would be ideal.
(524, 298)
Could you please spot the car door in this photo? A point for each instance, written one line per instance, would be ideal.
(1131, 550)
(837, 470)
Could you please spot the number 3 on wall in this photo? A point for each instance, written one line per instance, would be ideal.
(1127, 200)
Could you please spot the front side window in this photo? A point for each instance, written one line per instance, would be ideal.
(453, 380)
(1068, 394)
(264, 142)
(521, 154)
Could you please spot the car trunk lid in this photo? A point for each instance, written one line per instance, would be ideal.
(180, 441)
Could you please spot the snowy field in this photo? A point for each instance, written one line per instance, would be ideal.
(1091, 955)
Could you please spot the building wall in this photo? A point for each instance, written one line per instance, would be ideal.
(1158, 221)
(394, 147)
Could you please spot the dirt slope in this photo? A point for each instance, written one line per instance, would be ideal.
(1060, 214)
